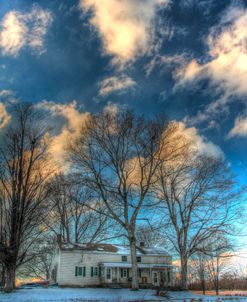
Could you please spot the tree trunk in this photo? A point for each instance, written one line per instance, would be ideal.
(10, 279)
(2, 281)
(217, 277)
(135, 283)
(184, 273)
(203, 286)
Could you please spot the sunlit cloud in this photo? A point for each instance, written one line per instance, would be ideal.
(240, 127)
(68, 130)
(227, 66)
(118, 84)
(19, 30)
(125, 26)
(4, 115)
(199, 142)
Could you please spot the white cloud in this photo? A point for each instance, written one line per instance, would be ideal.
(116, 84)
(227, 67)
(166, 61)
(4, 116)
(5, 93)
(125, 26)
(24, 29)
(240, 127)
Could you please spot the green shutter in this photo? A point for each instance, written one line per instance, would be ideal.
(84, 271)
(91, 271)
(127, 273)
(76, 271)
(100, 271)
(121, 273)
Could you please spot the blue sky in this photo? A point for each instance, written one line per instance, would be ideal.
(186, 59)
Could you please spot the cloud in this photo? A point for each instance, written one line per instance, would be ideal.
(240, 127)
(166, 61)
(68, 129)
(125, 26)
(6, 93)
(4, 116)
(198, 141)
(19, 30)
(116, 84)
(227, 66)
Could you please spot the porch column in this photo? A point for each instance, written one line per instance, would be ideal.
(118, 274)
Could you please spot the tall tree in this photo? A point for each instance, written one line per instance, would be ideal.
(197, 195)
(24, 171)
(117, 154)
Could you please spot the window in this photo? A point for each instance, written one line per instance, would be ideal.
(94, 271)
(139, 259)
(155, 278)
(125, 273)
(80, 271)
(140, 273)
(124, 258)
(108, 273)
(168, 277)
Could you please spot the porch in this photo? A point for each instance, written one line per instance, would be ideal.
(149, 275)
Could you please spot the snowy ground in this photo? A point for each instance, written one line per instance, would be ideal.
(105, 295)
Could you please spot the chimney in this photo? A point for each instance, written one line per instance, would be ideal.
(142, 244)
(59, 238)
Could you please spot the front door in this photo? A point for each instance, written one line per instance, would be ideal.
(155, 279)
(108, 274)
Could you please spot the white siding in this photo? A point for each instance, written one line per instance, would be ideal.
(68, 260)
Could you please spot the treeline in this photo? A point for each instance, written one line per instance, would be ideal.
(228, 281)
(125, 177)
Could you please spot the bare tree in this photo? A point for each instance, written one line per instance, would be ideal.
(69, 212)
(218, 251)
(117, 155)
(151, 235)
(196, 192)
(40, 265)
(198, 267)
(24, 171)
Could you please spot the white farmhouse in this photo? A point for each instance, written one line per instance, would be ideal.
(85, 265)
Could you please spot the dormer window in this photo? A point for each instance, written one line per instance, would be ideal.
(139, 259)
(124, 258)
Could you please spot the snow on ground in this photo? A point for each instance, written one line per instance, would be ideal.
(106, 295)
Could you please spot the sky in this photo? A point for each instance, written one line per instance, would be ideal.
(185, 59)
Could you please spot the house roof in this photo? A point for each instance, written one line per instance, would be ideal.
(112, 248)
